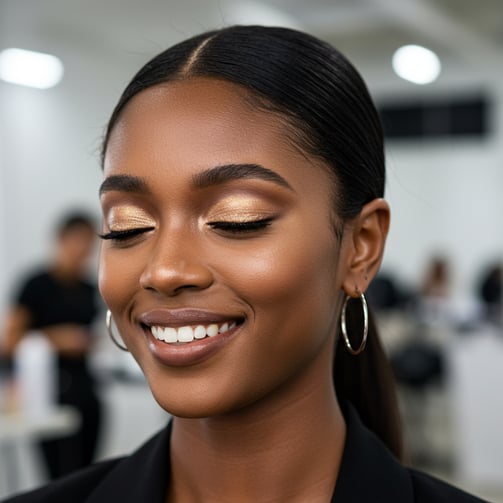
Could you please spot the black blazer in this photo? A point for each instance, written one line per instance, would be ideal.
(369, 473)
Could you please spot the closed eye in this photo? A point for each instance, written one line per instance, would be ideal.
(241, 227)
(126, 234)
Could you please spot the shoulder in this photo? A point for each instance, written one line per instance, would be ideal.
(73, 488)
(36, 279)
(31, 288)
(89, 284)
(428, 489)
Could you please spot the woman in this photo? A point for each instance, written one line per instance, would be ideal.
(59, 302)
(242, 205)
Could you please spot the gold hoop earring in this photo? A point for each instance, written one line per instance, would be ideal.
(365, 325)
(108, 323)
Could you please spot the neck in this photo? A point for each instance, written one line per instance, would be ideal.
(286, 449)
(65, 272)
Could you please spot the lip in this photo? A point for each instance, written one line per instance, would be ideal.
(181, 317)
(191, 353)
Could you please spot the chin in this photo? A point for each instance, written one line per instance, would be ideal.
(186, 400)
(197, 402)
(190, 407)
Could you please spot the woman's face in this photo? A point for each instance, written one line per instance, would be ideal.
(222, 270)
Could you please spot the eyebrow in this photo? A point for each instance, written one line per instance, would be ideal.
(210, 177)
(228, 172)
(124, 183)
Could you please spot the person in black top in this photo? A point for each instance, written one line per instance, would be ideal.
(489, 292)
(243, 220)
(62, 304)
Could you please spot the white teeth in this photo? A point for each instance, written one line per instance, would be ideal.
(170, 335)
(188, 333)
(199, 332)
(212, 330)
(185, 334)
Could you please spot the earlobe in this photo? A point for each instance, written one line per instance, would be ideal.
(368, 234)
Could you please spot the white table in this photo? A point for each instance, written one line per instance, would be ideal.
(17, 431)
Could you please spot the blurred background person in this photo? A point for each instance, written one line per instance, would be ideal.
(59, 302)
(437, 279)
(489, 293)
(434, 303)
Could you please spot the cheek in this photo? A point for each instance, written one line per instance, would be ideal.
(293, 290)
(117, 279)
(293, 271)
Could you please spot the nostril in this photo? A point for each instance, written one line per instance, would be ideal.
(185, 287)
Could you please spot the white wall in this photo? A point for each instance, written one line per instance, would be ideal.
(445, 199)
(447, 195)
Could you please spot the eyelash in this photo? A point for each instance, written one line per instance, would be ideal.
(231, 227)
(124, 235)
(241, 227)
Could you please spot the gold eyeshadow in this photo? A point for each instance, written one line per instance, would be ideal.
(238, 209)
(121, 218)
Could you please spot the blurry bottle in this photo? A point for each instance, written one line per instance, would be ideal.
(34, 365)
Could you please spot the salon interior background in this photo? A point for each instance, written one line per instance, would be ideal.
(445, 191)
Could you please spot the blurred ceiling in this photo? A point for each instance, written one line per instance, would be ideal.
(467, 34)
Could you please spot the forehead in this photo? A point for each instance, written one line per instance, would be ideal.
(199, 123)
(213, 110)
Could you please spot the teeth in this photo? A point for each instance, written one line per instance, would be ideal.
(212, 330)
(185, 334)
(170, 334)
(199, 332)
(188, 333)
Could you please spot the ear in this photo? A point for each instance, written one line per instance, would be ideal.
(365, 240)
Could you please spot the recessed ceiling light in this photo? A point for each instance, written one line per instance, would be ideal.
(29, 68)
(416, 64)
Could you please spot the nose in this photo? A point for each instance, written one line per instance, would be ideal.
(176, 264)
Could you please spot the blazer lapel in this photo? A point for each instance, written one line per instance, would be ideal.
(369, 472)
(143, 476)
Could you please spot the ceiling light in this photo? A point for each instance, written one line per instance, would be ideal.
(28, 68)
(416, 64)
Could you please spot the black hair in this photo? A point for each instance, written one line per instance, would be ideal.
(332, 117)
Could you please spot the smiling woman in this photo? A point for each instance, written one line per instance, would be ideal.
(242, 209)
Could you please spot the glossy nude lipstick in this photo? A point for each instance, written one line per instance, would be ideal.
(187, 336)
